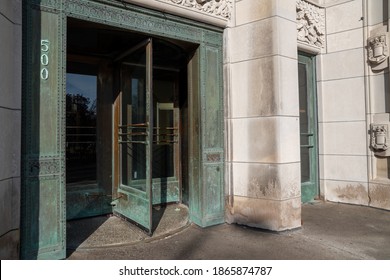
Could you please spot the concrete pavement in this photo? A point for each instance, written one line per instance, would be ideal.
(329, 231)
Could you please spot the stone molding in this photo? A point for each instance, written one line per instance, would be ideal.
(310, 24)
(219, 8)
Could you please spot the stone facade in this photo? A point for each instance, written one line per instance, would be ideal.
(10, 123)
(350, 40)
(262, 115)
(353, 96)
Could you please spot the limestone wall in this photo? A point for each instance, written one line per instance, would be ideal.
(262, 125)
(10, 125)
(378, 103)
(342, 105)
(350, 97)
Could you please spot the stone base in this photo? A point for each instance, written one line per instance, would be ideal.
(276, 215)
(9, 245)
(380, 195)
(346, 192)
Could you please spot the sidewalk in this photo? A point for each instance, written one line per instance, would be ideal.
(329, 231)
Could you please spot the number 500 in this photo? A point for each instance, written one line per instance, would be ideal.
(45, 46)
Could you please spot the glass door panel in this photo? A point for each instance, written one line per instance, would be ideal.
(166, 141)
(148, 130)
(135, 132)
(85, 194)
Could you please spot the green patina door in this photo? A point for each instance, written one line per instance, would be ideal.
(154, 134)
(134, 127)
(148, 129)
(308, 127)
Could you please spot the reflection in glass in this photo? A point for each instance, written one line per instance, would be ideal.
(134, 111)
(133, 129)
(81, 91)
(303, 106)
(164, 140)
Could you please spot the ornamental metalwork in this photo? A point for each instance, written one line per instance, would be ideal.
(310, 24)
(221, 8)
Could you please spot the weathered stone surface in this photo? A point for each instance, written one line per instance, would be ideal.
(10, 137)
(267, 214)
(342, 100)
(249, 11)
(344, 138)
(343, 65)
(257, 89)
(9, 245)
(12, 9)
(380, 195)
(376, 12)
(6, 216)
(272, 36)
(344, 168)
(347, 192)
(267, 181)
(379, 94)
(11, 71)
(265, 140)
(344, 17)
(350, 39)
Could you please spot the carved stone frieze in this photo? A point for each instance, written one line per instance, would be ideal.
(378, 51)
(310, 24)
(220, 8)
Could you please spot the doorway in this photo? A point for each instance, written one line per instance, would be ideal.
(308, 127)
(99, 40)
(126, 130)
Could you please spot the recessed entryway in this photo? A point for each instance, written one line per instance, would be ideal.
(126, 123)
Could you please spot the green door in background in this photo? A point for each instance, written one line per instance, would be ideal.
(308, 127)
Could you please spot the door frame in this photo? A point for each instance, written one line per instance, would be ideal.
(310, 189)
(43, 115)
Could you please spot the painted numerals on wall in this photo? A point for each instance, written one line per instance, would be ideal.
(45, 47)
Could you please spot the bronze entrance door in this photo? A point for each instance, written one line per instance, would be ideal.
(147, 130)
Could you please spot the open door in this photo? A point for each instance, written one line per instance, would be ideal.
(134, 135)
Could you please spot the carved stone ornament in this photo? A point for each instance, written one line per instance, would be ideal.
(310, 24)
(379, 135)
(378, 51)
(221, 8)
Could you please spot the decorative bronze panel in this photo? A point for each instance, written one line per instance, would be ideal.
(43, 183)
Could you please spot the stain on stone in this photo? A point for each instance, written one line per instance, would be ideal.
(263, 187)
(380, 196)
(352, 194)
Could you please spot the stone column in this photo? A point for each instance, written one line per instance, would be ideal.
(10, 124)
(261, 75)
